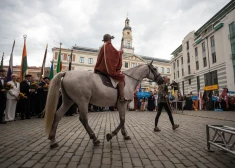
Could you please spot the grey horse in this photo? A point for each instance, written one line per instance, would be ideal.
(82, 88)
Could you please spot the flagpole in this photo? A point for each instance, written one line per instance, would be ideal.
(43, 63)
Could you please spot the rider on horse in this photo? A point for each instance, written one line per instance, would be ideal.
(109, 62)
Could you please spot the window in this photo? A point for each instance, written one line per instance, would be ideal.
(188, 56)
(203, 47)
(133, 65)
(174, 75)
(126, 64)
(212, 41)
(232, 28)
(182, 60)
(162, 70)
(213, 57)
(196, 53)
(81, 59)
(90, 60)
(177, 63)
(211, 78)
(178, 74)
(189, 70)
(174, 65)
(189, 81)
(198, 84)
(168, 70)
(150, 83)
(182, 72)
(204, 62)
(128, 45)
(187, 45)
(197, 65)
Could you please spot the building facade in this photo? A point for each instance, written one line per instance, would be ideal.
(84, 58)
(206, 58)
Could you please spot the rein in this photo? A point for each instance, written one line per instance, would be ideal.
(131, 77)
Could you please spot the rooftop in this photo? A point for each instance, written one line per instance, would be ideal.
(154, 59)
(85, 49)
(219, 15)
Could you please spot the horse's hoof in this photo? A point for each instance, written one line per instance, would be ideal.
(108, 137)
(54, 145)
(96, 142)
(127, 138)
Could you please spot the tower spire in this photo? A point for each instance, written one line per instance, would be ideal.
(126, 42)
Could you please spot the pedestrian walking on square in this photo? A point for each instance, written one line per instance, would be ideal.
(12, 98)
(163, 101)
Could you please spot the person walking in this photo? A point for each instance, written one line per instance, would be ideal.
(162, 102)
(12, 97)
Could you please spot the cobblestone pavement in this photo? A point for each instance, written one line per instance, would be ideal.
(24, 144)
(224, 115)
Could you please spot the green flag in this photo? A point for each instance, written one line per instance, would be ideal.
(59, 63)
(1, 66)
(51, 71)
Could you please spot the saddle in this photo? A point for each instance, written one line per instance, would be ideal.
(107, 81)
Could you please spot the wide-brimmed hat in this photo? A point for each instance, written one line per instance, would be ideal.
(2, 70)
(28, 75)
(107, 37)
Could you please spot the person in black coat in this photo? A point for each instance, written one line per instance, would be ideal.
(42, 95)
(151, 102)
(2, 95)
(25, 103)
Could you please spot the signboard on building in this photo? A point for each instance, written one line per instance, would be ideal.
(211, 87)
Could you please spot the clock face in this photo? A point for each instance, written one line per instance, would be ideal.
(128, 33)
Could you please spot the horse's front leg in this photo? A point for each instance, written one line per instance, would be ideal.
(122, 111)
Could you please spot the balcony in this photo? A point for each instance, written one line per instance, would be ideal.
(189, 73)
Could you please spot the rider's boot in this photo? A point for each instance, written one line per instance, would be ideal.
(121, 91)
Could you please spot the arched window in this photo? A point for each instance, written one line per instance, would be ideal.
(128, 44)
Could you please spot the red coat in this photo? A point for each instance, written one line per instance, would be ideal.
(112, 64)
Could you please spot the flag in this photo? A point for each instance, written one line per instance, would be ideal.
(1, 67)
(43, 63)
(24, 64)
(59, 63)
(51, 70)
(10, 68)
(70, 61)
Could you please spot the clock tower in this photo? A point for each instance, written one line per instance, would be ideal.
(127, 38)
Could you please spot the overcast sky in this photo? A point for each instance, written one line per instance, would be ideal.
(158, 26)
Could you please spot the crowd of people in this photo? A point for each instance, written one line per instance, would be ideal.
(26, 98)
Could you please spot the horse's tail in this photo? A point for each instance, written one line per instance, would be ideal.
(52, 100)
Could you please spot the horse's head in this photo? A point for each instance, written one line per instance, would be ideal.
(154, 74)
